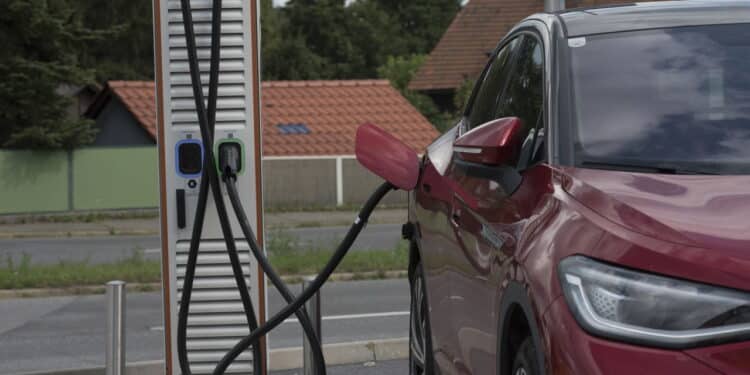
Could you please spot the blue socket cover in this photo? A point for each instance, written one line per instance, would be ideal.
(189, 158)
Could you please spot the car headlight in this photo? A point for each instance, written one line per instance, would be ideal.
(645, 309)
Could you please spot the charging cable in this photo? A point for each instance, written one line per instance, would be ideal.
(210, 181)
(343, 248)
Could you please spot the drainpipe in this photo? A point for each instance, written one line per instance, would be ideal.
(554, 5)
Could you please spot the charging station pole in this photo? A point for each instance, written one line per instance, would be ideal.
(216, 321)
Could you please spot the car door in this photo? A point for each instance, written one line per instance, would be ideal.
(489, 222)
(443, 260)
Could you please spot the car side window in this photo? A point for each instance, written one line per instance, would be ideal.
(492, 86)
(524, 97)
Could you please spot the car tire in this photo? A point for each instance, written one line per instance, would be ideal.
(525, 362)
(420, 339)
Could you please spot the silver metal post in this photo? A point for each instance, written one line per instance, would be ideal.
(554, 5)
(313, 310)
(115, 358)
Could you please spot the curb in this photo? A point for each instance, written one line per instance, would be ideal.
(150, 232)
(343, 354)
(280, 359)
(73, 291)
(62, 234)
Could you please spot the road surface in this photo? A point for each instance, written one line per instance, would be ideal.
(98, 250)
(69, 332)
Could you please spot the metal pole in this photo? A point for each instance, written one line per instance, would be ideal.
(313, 310)
(115, 358)
(554, 5)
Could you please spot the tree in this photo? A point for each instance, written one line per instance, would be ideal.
(400, 71)
(39, 40)
(321, 24)
(126, 52)
(421, 23)
(349, 41)
(284, 56)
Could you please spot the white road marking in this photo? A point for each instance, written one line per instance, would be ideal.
(357, 316)
(334, 317)
(152, 251)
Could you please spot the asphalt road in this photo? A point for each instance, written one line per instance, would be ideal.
(69, 332)
(98, 250)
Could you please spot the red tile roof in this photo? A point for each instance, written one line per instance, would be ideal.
(139, 98)
(331, 110)
(462, 52)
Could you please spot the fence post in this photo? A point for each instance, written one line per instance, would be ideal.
(115, 357)
(339, 181)
(313, 310)
(71, 181)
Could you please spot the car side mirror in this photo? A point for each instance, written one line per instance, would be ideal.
(490, 150)
(387, 157)
(495, 143)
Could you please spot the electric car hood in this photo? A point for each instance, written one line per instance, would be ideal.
(711, 212)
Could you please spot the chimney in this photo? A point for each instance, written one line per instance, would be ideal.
(554, 5)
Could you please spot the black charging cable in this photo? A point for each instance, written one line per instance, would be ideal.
(209, 179)
(230, 168)
(253, 338)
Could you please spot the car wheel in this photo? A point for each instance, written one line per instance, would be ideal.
(420, 346)
(525, 362)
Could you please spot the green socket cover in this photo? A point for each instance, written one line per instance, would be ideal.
(230, 142)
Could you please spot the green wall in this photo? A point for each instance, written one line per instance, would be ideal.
(110, 178)
(33, 181)
(113, 178)
(100, 179)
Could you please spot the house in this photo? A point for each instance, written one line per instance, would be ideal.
(81, 97)
(308, 134)
(125, 114)
(463, 51)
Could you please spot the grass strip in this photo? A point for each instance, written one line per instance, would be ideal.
(308, 262)
(136, 269)
(24, 275)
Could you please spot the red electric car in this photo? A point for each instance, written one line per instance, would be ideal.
(590, 214)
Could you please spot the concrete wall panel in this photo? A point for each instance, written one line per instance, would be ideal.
(359, 183)
(299, 183)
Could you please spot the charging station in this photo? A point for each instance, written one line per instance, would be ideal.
(216, 320)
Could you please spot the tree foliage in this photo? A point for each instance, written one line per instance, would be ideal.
(39, 40)
(50, 46)
(420, 23)
(400, 71)
(326, 39)
(127, 51)
(338, 41)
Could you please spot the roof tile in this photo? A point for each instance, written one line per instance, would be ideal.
(462, 51)
(331, 110)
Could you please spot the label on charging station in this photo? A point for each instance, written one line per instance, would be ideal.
(216, 320)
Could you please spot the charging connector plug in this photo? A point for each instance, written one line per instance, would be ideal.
(230, 159)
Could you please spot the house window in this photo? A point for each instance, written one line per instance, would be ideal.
(293, 129)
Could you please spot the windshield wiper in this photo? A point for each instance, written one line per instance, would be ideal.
(646, 168)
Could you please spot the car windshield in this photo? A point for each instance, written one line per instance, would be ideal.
(664, 100)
